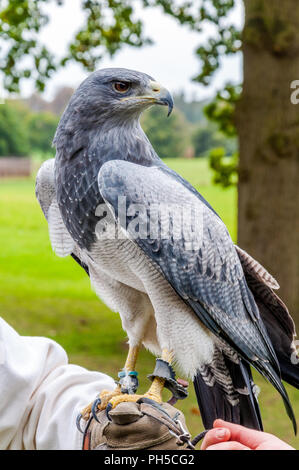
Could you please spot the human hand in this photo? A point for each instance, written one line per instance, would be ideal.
(229, 436)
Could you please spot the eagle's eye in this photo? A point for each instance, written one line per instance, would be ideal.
(121, 87)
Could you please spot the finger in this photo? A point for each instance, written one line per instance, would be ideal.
(246, 436)
(214, 436)
(230, 445)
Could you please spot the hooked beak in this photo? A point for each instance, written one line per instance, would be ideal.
(161, 96)
(155, 94)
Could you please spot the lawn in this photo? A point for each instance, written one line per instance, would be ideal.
(44, 295)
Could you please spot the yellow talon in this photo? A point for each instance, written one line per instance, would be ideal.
(85, 413)
(105, 397)
(155, 391)
(113, 398)
(132, 398)
(124, 397)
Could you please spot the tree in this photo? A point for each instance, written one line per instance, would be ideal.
(225, 169)
(267, 124)
(207, 137)
(109, 24)
(41, 131)
(25, 57)
(169, 137)
(204, 139)
(13, 136)
(266, 121)
(61, 98)
(192, 109)
(23, 132)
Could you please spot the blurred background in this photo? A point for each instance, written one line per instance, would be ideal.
(231, 66)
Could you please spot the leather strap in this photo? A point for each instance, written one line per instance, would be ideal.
(163, 370)
(87, 435)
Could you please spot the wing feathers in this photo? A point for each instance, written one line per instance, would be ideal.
(206, 272)
(61, 241)
(253, 267)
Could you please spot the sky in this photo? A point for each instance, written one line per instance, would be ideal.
(171, 60)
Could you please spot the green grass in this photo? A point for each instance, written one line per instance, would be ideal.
(44, 295)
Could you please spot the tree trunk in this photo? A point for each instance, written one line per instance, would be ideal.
(268, 128)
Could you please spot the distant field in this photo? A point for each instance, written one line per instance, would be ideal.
(44, 295)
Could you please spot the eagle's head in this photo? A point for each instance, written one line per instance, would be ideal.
(117, 93)
(112, 98)
(124, 91)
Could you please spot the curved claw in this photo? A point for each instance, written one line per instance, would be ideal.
(94, 408)
(78, 423)
(149, 401)
(153, 403)
(108, 408)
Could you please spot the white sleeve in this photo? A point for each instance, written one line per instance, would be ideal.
(41, 394)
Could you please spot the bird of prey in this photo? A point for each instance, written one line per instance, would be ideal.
(158, 254)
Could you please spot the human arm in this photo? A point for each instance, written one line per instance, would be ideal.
(41, 393)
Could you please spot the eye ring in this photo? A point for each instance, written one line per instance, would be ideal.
(121, 87)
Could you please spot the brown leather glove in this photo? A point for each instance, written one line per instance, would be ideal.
(136, 426)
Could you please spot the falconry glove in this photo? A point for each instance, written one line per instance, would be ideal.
(138, 426)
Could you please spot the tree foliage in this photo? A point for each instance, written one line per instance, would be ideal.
(226, 169)
(41, 129)
(23, 132)
(222, 111)
(192, 109)
(13, 135)
(169, 137)
(108, 25)
(207, 137)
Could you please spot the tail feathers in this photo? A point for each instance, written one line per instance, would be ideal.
(289, 371)
(275, 315)
(234, 401)
(250, 415)
(282, 333)
(269, 373)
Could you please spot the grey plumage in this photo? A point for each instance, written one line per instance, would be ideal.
(102, 155)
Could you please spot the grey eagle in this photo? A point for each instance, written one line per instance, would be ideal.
(158, 254)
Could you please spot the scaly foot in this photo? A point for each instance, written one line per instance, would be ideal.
(110, 399)
(100, 403)
(124, 397)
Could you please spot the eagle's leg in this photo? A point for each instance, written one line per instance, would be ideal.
(128, 384)
(156, 389)
(132, 358)
(154, 392)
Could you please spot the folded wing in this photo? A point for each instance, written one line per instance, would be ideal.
(197, 257)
